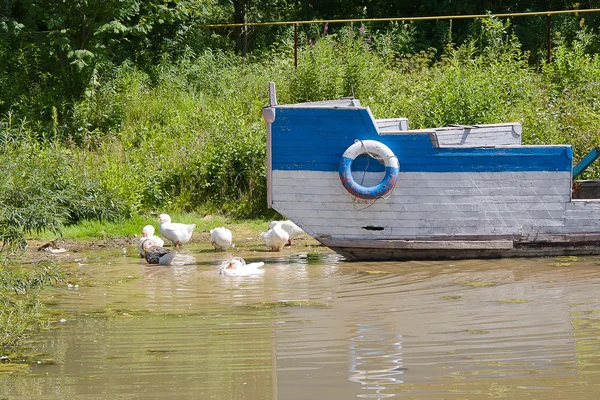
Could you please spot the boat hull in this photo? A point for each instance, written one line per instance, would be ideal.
(461, 192)
(405, 250)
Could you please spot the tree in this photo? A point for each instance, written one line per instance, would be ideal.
(62, 45)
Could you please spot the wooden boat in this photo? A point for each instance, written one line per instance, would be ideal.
(372, 189)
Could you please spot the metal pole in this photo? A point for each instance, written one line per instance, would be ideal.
(295, 45)
(548, 38)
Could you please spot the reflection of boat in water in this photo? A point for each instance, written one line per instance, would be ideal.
(372, 367)
(454, 192)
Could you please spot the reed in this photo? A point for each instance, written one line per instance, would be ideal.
(21, 310)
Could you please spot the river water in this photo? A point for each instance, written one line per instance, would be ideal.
(318, 327)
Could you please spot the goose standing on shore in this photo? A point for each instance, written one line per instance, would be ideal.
(175, 232)
(276, 237)
(157, 254)
(221, 238)
(291, 228)
(237, 266)
(148, 233)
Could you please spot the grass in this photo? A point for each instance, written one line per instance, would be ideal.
(287, 303)
(478, 283)
(560, 264)
(452, 297)
(87, 230)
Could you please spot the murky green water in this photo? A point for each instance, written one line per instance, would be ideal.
(317, 327)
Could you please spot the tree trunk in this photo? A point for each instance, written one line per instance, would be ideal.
(241, 32)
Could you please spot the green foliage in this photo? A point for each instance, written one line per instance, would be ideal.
(44, 187)
(28, 197)
(337, 65)
(573, 81)
(396, 41)
(187, 135)
(21, 310)
(53, 53)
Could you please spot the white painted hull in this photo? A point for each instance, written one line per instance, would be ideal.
(442, 215)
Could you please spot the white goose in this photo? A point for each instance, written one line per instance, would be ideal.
(237, 266)
(221, 238)
(175, 232)
(148, 233)
(291, 228)
(275, 237)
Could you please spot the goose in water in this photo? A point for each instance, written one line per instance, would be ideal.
(148, 233)
(175, 232)
(157, 254)
(291, 228)
(237, 266)
(275, 237)
(221, 238)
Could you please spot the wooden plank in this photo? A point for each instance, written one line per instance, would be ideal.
(584, 205)
(421, 244)
(434, 180)
(406, 198)
(532, 190)
(384, 205)
(358, 226)
(438, 178)
(392, 124)
(481, 135)
(553, 249)
(433, 232)
(368, 217)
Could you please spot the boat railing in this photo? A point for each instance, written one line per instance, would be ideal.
(484, 135)
(586, 189)
(392, 124)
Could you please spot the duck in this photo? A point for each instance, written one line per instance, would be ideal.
(175, 232)
(236, 266)
(148, 233)
(276, 237)
(221, 238)
(291, 228)
(157, 254)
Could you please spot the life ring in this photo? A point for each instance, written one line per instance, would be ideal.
(372, 148)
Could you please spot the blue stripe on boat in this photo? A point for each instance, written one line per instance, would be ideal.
(314, 139)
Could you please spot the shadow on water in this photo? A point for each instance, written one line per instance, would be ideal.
(315, 326)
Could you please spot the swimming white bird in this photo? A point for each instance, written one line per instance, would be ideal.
(291, 228)
(175, 232)
(157, 254)
(237, 266)
(148, 233)
(275, 237)
(221, 238)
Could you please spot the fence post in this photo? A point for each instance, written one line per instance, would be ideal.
(295, 45)
(548, 38)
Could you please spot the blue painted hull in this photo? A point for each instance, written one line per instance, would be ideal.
(314, 140)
